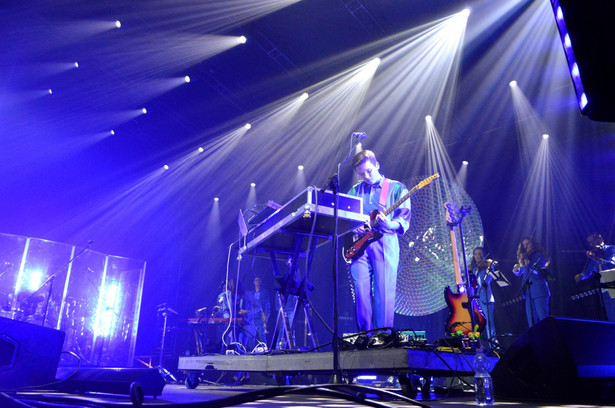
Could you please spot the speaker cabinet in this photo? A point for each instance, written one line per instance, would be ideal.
(559, 359)
(29, 354)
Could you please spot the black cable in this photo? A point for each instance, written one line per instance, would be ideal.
(457, 356)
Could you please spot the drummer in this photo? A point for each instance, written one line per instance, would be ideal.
(601, 258)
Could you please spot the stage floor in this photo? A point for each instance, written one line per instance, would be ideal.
(177, 395)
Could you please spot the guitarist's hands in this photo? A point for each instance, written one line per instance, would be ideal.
(383, 223)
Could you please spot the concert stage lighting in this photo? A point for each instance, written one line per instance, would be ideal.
(112, 132)
(187, 79)
(201, 150)
(465, 163)
(166, 167)
(76, 64)
(118, 24)
(587, 35)
(304, 96)
(144, 110)
(512, 84)
(216, 199)
(252, 184)
(545, 136)
(50, 91)
(247, 126)
(299, 167)
(242, 39)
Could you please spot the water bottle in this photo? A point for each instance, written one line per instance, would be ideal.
(483, 383)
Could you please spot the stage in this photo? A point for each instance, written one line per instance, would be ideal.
(220, 395)
(391, 361)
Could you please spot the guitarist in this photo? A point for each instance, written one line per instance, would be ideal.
(377, 266)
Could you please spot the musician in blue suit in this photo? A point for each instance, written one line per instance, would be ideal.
(376, 268)
(531, 267)
(483, 270)
(601, 258)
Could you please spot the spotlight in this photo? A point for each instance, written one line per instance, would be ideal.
(465, 162)
(304, 96)
(242, 40)
(49, 91)
(186, 79)
(112, 132)
(300, 167)
(252, 184)
(575, 70)
(583, 102)
(428, 118)
(465, 12)
(545, 136)
(512, 84)
(247, 126)
(76, 64)
(201, 150)
(375, 62)
(144, 110)
(166, 167)
(118, 24)
(560, 14)
(216, 199)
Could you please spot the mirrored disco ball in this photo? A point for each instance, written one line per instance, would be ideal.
(426, 260)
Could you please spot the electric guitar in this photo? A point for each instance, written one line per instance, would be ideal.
(372, 234)
(459, 318)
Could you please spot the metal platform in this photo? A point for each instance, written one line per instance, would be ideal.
(391, 360)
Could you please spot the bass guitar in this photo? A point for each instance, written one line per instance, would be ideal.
(459, 319)
(371, 233)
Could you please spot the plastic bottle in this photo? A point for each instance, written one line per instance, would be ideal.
(483, 383)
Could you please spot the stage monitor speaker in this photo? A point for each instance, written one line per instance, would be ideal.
(29, 354)
(559, 359)
(110, 380)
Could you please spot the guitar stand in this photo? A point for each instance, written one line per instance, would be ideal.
(471, 295)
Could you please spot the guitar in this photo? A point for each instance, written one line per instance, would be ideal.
(371, 234)
(459, 318)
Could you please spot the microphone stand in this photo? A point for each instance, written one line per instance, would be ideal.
(527, 283)
(333, 183)
(50, 280)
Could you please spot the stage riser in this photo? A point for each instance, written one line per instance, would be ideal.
(384, 361)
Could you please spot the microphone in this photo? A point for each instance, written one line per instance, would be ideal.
(359, 135)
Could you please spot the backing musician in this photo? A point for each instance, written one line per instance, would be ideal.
(482, 268)
(601, 257)
(232, 310)
(531, 267)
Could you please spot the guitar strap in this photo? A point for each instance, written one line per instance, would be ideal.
(384, 193)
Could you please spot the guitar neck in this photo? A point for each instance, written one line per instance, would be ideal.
(409, 194)
(456, 264)
(401, 200)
